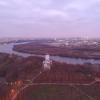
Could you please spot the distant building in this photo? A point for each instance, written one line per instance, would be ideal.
(47, 63)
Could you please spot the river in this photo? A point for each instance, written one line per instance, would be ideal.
(8, 48)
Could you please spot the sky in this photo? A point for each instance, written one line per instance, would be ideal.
(49, 18)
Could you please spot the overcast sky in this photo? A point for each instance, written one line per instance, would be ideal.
(49, 18)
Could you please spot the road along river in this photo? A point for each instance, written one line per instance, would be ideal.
(8, 48)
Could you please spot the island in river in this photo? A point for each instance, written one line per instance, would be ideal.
(74, 51)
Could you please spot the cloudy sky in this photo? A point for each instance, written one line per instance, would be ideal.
(49, 18)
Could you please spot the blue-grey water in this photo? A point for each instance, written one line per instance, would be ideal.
(8, 48)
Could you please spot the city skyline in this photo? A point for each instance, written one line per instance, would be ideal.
(49, 18)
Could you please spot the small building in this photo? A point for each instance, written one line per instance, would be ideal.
(47, 63)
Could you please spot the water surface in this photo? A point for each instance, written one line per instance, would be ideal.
(8, 48)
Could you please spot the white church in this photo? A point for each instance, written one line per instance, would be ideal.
(47, 63)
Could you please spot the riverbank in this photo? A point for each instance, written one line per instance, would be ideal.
(42, 49)
(14, 68)
(9, 48)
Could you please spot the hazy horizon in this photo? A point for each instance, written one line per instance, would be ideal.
(49, 18)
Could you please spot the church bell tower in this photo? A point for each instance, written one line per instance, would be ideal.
(47, 62)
